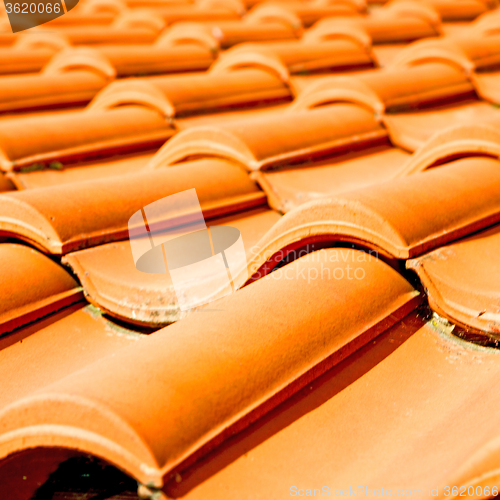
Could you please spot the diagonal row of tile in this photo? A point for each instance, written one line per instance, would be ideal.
(371, 179)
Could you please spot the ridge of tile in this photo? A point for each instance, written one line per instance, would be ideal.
(402, 218)
(47, 40)
(334, 28)
(48, 217)
(192, 412)
(113, 284)
(132, 91)
(33, 286)
(140, 18)
(250, 57)
(269, 12)
(272, 140)
(427, 50)
(187, 33)
(80, 58)
(460, 281)
(334, 89)
(454, 142)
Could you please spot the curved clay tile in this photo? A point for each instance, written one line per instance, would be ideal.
(329, 90)
(487, 23)
(333, 29)
(96, 35)
(32, 286)
(83, 171)
(186, 413)
(13, 61)
(333, 54)
(188, 33)
(219, 90)
(80, 58)
(378, 216)
(413, 129)
(454, 142)
(40, 140)
(233, 5)
(484, 52)
(402, 89)
(110, 7)
(179, 13)
(286, 189)
(251, 57)
(130, 92)
(140, 19)
(77, 336)
(136, 60)
(312, 11)
(42, 40)
(461, 280)
(277, 139)
(112, 282)
(439, 50)
(230, 33)
(48, 217)
(70, 78)
(367, 426)
(462, 10)
(408, 9)
(272, 13)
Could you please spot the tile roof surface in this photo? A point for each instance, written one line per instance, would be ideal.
(354, 147)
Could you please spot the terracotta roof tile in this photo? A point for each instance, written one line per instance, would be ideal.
(271, 140)
(112, 282)
(107, 419)
(401, 21)
(31, 52)
(224, 87)
(46, 217)
(287, 188)
(102, 128)
(83, 171)
(75, 86)
(366, 159)
(460, 280)
(369, 422)
(33, 286)
(310, 12)
(77, 335)
(401, 218)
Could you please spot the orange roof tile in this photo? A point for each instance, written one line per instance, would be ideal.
(91, 412)
(38, 286)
